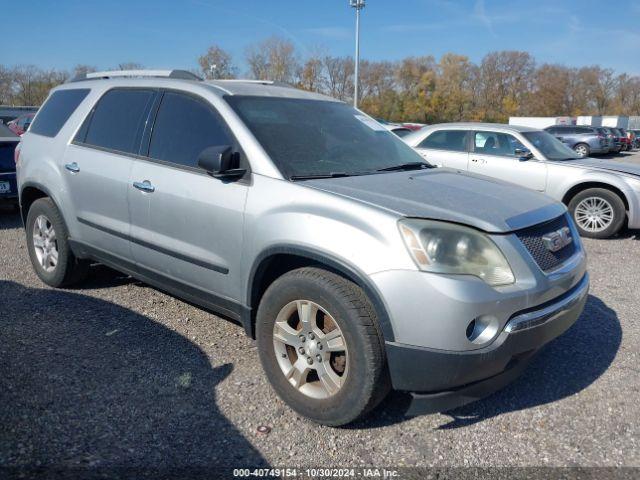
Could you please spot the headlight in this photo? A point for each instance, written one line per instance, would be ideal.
(448, 248)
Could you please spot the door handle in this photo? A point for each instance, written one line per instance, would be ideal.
(72, 167)
(145, 186)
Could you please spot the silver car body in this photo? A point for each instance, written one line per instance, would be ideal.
(555, 178)
(207, 240)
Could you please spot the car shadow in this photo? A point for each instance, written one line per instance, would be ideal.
(564, 367)
(89, 387)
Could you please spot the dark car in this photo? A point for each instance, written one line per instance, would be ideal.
(615, 145)
(636, 140)
(584, 140)
(8, 142)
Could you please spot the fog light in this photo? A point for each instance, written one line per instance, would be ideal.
(482, 329)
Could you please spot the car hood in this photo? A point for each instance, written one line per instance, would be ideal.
(608, 165)
(448, 195)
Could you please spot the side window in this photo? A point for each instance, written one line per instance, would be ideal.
(118, 120)
(57, 110)
(495, 143)
(184, 127)
(452, 140)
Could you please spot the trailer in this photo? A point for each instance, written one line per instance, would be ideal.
(591, 121)
(634, 123)
(615, 121)
(541, 122)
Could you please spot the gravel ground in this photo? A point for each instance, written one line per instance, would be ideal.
(116, 373)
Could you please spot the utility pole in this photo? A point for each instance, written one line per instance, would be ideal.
(358, 5)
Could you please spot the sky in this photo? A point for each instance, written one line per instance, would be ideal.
(172, 34)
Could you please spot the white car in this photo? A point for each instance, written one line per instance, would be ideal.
(601, 194)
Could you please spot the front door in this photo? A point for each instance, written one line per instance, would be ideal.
(495, 155)
(187, 225)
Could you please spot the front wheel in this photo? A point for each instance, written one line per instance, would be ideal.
(320, 347)
(598, 213)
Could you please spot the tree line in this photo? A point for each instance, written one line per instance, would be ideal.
(419, 89)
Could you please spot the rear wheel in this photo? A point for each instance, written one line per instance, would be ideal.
(598, 213)
(48, 246)
(320, 347)
(582, 149)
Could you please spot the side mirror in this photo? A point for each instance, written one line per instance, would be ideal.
(220, 162)
(523, 154)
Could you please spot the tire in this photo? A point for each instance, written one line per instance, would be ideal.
(68, 269)
(598, 200)
(582, 149)
(365, 378)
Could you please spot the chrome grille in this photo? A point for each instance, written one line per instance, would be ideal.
(531, 238)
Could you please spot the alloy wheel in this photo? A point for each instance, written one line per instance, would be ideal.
(311, 349)
(594, 214)
(45, 243)
(581, 150)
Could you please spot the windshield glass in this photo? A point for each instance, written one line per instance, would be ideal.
(315, 137)
(549, 146)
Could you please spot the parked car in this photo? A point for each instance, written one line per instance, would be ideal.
(583, 140)
(399, 130)
(414, 126)
(8, 187)
(636, 140)
(624, 144)
(21, 124)
(626, 138)
(613, 142)
(355, 265)
(601, 194)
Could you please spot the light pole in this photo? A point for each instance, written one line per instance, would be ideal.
(358, 5)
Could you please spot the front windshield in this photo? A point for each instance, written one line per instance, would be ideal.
(315, 138)
(549, 146)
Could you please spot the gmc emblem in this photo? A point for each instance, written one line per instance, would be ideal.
(557, 240)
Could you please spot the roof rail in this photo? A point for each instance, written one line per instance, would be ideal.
(179, 74)
(275, 83)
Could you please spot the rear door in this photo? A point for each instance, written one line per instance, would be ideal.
(495, 155)
(446, 148)
(187, 225)
(98, 167)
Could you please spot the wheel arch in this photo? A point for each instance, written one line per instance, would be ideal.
(278, 260)
(574, 190)
(29, 193)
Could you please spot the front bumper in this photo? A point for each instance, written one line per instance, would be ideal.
(12, 194)
(447, 379)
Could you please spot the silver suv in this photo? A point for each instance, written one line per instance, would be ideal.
(355, 265)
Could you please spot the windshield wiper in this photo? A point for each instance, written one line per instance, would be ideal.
(406, 166)
(321, 175)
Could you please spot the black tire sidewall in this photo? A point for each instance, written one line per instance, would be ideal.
(46, 207)
(355, 395)
(616, 202)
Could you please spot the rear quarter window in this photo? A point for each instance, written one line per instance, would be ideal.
(56, 111)
(451, 140)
